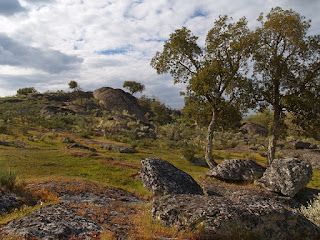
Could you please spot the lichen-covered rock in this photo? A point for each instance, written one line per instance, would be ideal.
(78, 145)
(286, 176)
(119, 100)
(161, 177)
(52, 222)
(237, 169)
(253, 128)
(8, 201)
(215, 217)
(117, 148)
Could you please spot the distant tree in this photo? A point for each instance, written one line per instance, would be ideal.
(74, 86)
(133, 86)
(286, 65)
(158, 112)
(26, 91)
(215, 74)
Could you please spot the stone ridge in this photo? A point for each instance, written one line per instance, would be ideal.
(161, 177)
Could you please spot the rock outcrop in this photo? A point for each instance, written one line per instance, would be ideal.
(119, 100)
(252, 128)
(215, 217)
(286, 176)
(50, 111)
(237, 169)
(8, 201)
(160, 177)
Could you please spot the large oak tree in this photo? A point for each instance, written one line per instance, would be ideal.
(286, 66)
(215, 74)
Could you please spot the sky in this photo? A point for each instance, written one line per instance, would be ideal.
(45, 44)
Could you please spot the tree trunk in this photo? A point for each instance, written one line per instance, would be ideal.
(209, 157)
(275, 134)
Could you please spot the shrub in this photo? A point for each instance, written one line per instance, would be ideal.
(8, 179)
(188, 151)
(312, 211)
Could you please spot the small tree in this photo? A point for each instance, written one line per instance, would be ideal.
(286, 64)
(134, 87)
(215, 74)
(74, 86)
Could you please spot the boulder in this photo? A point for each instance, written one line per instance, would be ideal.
(78, 145)
(9, 201)
(286, 176)
(215, 217)
(302, 145)
(119, 100)
(161, 177)
(52, 222)
(119, 149)
(237, 169)
(256, 129)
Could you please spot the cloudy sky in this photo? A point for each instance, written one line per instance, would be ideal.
(47, 43)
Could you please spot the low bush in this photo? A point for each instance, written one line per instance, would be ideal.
(8, 179)
(312, 211)
(188, 151)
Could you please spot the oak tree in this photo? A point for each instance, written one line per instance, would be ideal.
(286, 64)
(215, 74)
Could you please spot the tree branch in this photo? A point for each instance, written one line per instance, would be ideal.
(189, 70)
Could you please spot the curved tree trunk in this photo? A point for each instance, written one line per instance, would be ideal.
(275, 134)
(209, 157)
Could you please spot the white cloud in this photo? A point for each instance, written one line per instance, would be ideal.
(55, 35)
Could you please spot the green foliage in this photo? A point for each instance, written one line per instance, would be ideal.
(199, 111)
(158, 112)
(134, 86)
(74, 85)
(286, 65)
(188, 151)
(8, 179)
(263, 118)
(215, 76)
(26, 91)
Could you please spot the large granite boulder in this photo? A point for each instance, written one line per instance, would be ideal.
(119, 100)
(215, 217)
(253, 128)
(237, 169)
(286, 176)
(161, 177)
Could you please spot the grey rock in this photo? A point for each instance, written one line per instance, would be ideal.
(78, 145)
(237, 169)
(50, 111)
(52, 222)
(161, 177)
(252, 128)
(199, 161)
(8, 201)
(117, 148)
(286, 176)
(119, 100)
(215, 217)
(302, 145)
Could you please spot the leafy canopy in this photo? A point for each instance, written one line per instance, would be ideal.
(134, 86)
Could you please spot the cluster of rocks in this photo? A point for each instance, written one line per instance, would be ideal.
(17, 144)
(231, 214)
